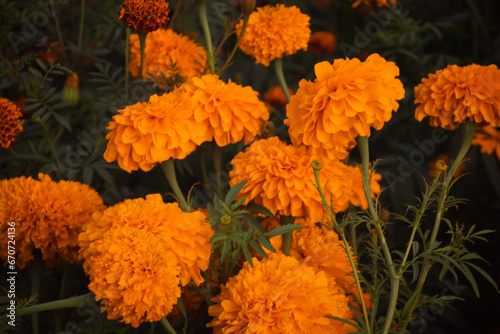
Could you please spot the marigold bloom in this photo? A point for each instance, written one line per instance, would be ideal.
(378, 3)
(145, 15)
(165, 48)
(147, 133)
(232, 113)
(442, 164)
(276, 97)
(343, 102)
(323, 43)
(280, 177)
(273, 32)
(10, 123)
(488, 138)
(186, 234)
(280, 295)
(48, 216)
(457, 94)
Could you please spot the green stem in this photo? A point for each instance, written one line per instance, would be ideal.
(63, 291)
(127, 60)
(36, 283)
(287, 237)
(245, 23)
(394, 278)
(142, 44)
(217, 159)
(201, 151)
(175, 14)
(166, 324)
(278, 69)
(202, 12)
(169, 171)
(82, 18)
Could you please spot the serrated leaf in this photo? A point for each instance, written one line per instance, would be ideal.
(63, 121)
(251, 221)
(247, 254)
(233, 192)
(257, 208)
(225, 249)
(344, 321)
(258, 248)
(485, 275)
(265, 242)
(217, 237)
(282, 230)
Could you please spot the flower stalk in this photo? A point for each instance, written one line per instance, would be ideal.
(142, 43)
(287, 237)
(278, 69)
(231, 55)
(168, 327)
(168, 168)
(202, 12)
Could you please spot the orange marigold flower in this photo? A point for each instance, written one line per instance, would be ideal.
(48, 216)
(10, 123)
(134, 274)
(378, 3)
(444, 159)
(323, 43)
(280, 295)
(147, 133)
(488, 138)
(457, 94)
(280, 177)
(345, 100)
(232, 112)
(276, 97)
(186, 234)
(164, 49)
(145, 15)
(273, 32)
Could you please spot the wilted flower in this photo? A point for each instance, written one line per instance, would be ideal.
(10, 123)
(145, 15)
(488, 138)
(323, 43)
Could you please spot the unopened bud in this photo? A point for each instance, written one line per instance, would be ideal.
(71, 92)
(441, 166)
(247, 6)
(268, 130)
(316, 165)
(385, 215)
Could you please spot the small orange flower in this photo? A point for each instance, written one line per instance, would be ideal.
(71, 92)
(280, 295)
(145, 15)
(48, 216)
(148, 133)
(345, 100)
(276, 97)
(442, 164)
(273, 32)
(232, 112)
(488, 138)
(164, 49)
(10, 123)
(378, 3)
(323, 43)
(457, 94)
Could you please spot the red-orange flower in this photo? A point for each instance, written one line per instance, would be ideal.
(276, 97)
(323, 43)
(232, 113)
(10, 123)
(455, 95)
(145, 15)
(280, 295)
(273, 32)
(488, 138)
(345, 100)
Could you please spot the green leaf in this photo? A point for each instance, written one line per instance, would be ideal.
(485, 275)
(63, 121)
(251, 221)
(265, 242)
(247, 254)
(233, 192)
(258, 248)
(217, 237)
(257, 208)
(88, 174)
(344, 321)
(225, 249)
(282, 230)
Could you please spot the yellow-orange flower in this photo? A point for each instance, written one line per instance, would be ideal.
(273, 32)
(442, 164)
(276, 97)
(378, 3)
(457, 94)
(231, 112)
(165, 48)
(280, 177)
(280, 295)
(323, 43)
(185, 234)
(345, 100)
(488, 138)
(48, 216)
(10, 123)
(145, 15)
(147, 133)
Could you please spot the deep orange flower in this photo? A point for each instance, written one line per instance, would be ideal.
(165, 48)
(488, 138)
(232, 113)
(457, 94)
(276, 97)
(378, 3)
(48, 216)
(10, 123)
(280, 295)
(323, 43)
(145, 15)
(345, 100)
(147, 133)
(186, 234)
(273, 32)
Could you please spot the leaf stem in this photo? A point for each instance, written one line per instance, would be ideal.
(287, 237)
(142, 43)
(202, 12)
(168, 168)
(278, 69)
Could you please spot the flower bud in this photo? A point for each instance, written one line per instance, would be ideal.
(268, 130)
(316, 165)
(71, 93)
(247, 6)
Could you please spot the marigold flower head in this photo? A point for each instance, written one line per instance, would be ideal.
(186, 234)
(273, 32)
(147, 133)
(456, 94)
(48, 216)
(345, 100)
(276, 97)
(144, 15)
(280, 295)
(165, 50)
(488, 138)
(231, 112)
(378, 3)
(323, 43)
(10, 123)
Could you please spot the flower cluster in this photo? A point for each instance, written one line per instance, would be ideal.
(145, 15)
(280, 295)
(273, 32)
(454, 95)
(10, 123)
(48, 215)
(345, 100)
(138, 253)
